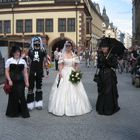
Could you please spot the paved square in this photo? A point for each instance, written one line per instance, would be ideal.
(124, 125)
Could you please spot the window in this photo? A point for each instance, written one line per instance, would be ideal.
(71, 25)
(49, 25)
(7, 26)
(19, 26)
(40, 25)
(88, 27)
(0, 26)
(61, 25)
(28, 25)
(7, 1)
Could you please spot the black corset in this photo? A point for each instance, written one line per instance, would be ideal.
(16, 72)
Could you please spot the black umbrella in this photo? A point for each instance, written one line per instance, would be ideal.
(115, 46)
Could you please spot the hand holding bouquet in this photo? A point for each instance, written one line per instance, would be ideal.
(75, 77)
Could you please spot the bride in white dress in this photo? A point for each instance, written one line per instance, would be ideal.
(66, 98)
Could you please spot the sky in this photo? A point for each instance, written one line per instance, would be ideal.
(119, 12)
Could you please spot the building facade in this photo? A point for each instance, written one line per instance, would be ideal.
(127, 40)
(109, 30)
(54, 20)
(120, 36)
(136, 22)
(97, 22)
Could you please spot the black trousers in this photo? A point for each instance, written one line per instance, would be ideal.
(35, 79)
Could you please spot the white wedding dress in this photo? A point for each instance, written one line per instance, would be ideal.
(68, 99)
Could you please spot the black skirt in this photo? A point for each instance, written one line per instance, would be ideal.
(107, 102)
(17, 103)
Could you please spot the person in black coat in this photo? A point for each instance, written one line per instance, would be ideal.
(107, 102)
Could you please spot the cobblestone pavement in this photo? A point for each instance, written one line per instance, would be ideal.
(124, 125)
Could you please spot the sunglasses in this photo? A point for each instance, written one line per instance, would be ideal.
(37, 45)
(68, 45)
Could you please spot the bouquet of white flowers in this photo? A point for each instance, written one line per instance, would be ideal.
(75, 77)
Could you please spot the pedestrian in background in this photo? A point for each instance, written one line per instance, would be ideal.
(134, 56)
(24, 55)
(16, 74)
(87, 57)
(56, 58)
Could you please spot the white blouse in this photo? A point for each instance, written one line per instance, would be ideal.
(14, 61)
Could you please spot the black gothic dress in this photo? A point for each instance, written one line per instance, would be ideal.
(107, 102)
(17, 104)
